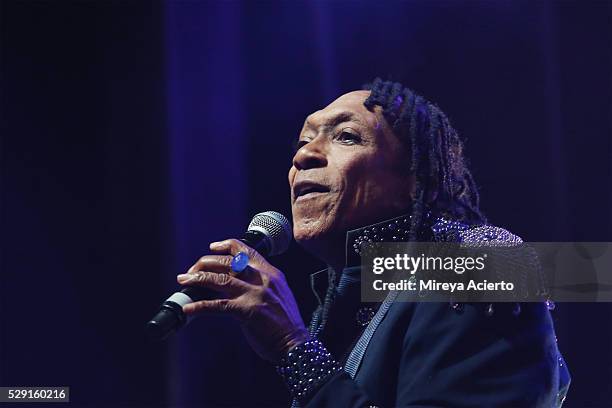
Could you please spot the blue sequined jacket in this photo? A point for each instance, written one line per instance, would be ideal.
(412, 354)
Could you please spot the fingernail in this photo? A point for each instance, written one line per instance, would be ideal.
(214, 245)
(183, 277)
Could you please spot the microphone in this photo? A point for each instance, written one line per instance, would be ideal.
(269, 233)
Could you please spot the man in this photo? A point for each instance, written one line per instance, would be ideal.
(384, 164)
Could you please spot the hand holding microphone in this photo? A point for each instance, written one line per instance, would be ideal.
(258, 297)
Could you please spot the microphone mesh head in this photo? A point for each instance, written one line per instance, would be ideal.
(276, 227)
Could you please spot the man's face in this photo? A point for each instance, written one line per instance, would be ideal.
(350, 170)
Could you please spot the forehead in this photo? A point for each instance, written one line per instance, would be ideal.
(348, 107)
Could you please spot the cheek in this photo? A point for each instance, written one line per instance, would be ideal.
(354, 187)
(357, 175)
(372, 189)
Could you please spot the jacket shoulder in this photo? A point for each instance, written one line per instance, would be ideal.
(445, 230)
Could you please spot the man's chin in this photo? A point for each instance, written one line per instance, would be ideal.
(308, 232)
(305, 235)
(314, 232)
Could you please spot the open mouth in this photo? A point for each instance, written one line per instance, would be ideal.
(307, 189)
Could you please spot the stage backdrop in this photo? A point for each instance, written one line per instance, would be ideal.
(134, 133)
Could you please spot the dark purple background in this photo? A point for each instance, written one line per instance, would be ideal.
(134, 133)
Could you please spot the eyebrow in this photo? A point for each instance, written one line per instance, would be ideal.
(341, 117)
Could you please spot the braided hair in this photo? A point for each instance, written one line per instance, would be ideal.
(436, 152)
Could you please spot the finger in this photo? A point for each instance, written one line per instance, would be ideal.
(213, 306)
(233, 247)
(212, 263)
(220, 282)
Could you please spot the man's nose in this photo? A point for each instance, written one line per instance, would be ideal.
(312, 154)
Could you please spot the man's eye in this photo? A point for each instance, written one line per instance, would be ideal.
(348, 137)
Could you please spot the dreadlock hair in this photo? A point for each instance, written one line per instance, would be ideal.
(436, 152)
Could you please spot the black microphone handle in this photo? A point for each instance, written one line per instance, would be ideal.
(171, 317)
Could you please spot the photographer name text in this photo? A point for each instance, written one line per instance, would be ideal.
(433, 285)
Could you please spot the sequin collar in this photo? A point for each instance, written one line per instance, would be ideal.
(391, 230)
(433, 228)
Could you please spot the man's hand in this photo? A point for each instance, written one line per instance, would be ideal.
(259, 298)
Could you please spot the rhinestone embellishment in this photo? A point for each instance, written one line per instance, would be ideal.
(365, 315)
(396, 231)
(306, 367)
